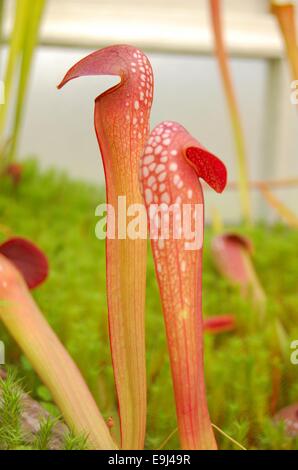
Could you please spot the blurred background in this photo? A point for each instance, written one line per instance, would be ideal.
(177, 36)
(251, 363)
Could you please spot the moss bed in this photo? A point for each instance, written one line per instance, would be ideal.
(244, 369)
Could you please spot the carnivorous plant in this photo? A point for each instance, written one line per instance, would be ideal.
(122, 127)
(171, 166)
(22, 267)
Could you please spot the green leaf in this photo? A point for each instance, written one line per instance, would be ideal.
(30, 40)
(15, 47)
(44, 393)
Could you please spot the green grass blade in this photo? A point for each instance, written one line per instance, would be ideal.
(1, 25)
(15, 46)
(239, 137)
(30, 42)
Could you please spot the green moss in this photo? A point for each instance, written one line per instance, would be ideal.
(16, 434)
(11, 436)
(59, 215)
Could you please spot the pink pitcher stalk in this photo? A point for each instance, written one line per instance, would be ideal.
(285, 13)
(215, 7)
(289, 417)
(219, 324)
(232, 257)
(171, 165)
(122, 127)
(22, 267)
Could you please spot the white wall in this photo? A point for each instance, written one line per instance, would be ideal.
(59, 124)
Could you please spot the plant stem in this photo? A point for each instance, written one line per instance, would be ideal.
(15, 45)
(228, 437)
(1, 28)
(50, 359)
(286, 17)
(30, 41)
(234, 111)
(283, 211)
